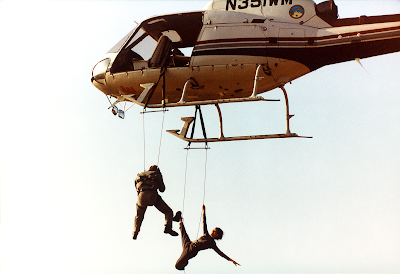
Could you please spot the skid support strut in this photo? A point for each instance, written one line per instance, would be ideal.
(198, 109)
(221, 134)
(288, 116)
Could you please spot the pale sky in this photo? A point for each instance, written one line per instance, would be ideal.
(329, 204)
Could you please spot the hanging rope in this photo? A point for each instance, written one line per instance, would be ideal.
(204, 186)
(184, 185)
(204, 192)
(144, 145)
(162, 128)
(205, 177)
(144, 139)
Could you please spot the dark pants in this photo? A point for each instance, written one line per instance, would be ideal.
(161, 206)
(189, 249)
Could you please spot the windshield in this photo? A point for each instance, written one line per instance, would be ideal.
(137, 45)
(118, 46)
(140, 43)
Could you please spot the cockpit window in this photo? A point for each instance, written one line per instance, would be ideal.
(142, 44)
(137, 45)
(118, 46)
(136, 38)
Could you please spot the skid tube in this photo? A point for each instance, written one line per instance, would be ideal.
(188, 120)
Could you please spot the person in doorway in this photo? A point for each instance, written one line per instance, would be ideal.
(190, 249)
(147, 183)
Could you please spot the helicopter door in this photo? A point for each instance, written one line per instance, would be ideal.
(161, 53)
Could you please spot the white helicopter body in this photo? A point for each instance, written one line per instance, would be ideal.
(240, 48)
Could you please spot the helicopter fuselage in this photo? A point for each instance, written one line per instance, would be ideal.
(239, 49)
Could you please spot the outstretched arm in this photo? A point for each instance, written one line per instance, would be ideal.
(222, 254)
(205, 231)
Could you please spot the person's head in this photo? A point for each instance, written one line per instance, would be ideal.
(153, 168)
(217, 233)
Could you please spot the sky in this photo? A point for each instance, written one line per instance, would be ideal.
(329, 204)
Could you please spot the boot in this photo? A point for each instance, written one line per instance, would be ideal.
(177, 217)
(169, 231)
(134, 235)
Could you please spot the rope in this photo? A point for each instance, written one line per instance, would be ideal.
(205, 164)
(205, 177)
(144, 145)
(144, 140)
(204, 191)
(159, 147)
(204, 187)
(184, 185)
(129, 107)
(198, 228)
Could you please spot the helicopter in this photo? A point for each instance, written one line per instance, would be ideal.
(239, 50)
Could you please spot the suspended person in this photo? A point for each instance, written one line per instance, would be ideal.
(147, 183)
(190, 249)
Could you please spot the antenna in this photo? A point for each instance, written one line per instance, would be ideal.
(358, 61)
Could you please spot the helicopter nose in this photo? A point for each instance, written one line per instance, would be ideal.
(99, 71)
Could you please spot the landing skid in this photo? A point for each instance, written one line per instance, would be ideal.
(236, 138)
(188, 121)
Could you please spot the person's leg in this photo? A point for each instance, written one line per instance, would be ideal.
(183, 260)
(184, 236)
(164, 208)
(188, 251)
(138, 220)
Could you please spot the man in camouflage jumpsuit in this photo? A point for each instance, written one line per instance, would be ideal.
(147, 183)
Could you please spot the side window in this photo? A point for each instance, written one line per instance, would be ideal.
(145, 47)
(142, 44)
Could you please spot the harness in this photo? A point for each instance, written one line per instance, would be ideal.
(147, 181)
